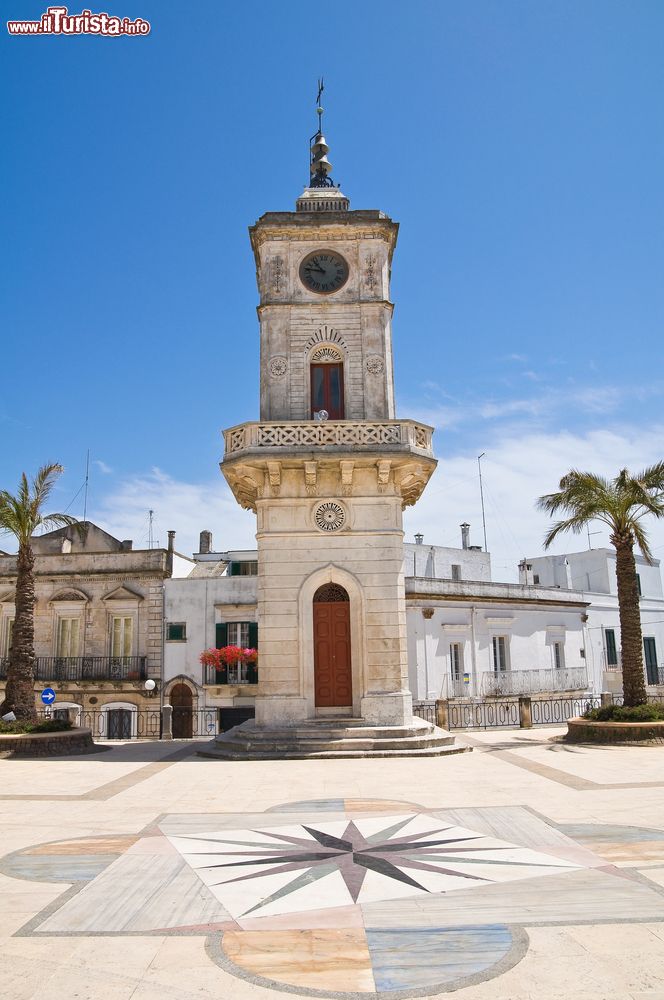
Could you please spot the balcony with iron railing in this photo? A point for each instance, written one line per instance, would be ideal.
(517, 682)
(240, 673)
(86, 668)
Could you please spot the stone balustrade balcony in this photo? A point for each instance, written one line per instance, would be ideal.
(395, 455)
(328, 435)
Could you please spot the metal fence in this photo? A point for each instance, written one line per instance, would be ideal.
(189, 723)
(495, 713)
(549, 711)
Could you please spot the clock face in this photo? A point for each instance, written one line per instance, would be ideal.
(323, 271)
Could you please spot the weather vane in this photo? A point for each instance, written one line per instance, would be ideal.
(319, 110)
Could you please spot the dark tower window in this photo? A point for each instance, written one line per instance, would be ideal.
(327, 390)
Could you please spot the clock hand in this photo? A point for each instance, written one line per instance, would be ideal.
(310, 267)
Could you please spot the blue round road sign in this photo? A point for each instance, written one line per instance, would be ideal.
(48, 696)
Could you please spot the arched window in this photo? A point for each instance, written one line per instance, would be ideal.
(327, 382)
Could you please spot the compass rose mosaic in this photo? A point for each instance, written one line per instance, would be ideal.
(345, 898)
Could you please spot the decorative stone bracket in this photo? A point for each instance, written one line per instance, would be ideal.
(310, 471)
(347, 478)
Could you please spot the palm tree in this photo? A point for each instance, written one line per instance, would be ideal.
(621, 504)
(21, 515)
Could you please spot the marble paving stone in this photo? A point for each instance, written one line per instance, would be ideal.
(404, 959)
(92, 845)
(57, 868)
(327, 959)
(310, 805)
(335, 916)
(135, 894)
(564, 898)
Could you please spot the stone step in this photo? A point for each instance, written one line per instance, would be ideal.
(229, 755)
(318, 732)
(318, 745)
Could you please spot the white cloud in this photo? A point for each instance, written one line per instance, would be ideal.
(187, 508)
(106, 469)
(516, 470)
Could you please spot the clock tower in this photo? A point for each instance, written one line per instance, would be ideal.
(328, 468)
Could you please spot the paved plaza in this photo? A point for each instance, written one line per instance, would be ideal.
(524, 870)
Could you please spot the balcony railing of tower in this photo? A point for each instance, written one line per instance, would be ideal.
(320, 434)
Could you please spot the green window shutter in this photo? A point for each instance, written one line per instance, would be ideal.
(611, 653)
(221, 635)
(253, 635)
(233, 569)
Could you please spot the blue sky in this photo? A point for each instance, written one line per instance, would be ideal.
(519, 144)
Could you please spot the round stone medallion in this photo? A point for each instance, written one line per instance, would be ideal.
(329, 516)
(375, 364)
(278, 367)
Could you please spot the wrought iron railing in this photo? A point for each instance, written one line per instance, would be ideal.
(516, 682)
(455, 687)
(549, 711)
(482, 714)
(91, 668)
(241, 673)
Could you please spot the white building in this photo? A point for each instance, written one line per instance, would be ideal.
(592, 574)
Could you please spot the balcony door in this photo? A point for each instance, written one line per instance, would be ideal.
(327, 390)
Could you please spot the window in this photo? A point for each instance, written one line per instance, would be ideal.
(327, 390)
(638, 584)
(558, 650)
(6, 637)
(499, 646)
(610, 646)
(456, 572)
(456, 661)
(68, 636)
(244, 635)
(245, 568)
(122, 636)
(176, 631)
(536, 579)
(650, 657)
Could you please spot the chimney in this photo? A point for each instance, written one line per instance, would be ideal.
(169, 552)
(127, 544)
(205, 542)
(465, 535)
(419, 539)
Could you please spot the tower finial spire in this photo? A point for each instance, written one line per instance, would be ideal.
(319, 165)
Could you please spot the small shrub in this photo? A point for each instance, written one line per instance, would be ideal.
(620, 713)
(47, 726)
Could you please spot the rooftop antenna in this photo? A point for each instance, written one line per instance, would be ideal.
(150, 535)
(591, 533)
(85, 495)
(479, 466)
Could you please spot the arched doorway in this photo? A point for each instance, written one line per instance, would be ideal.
(182, 712)
(333, 677)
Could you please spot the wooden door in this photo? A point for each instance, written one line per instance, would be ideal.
(182, 712)
(332, 661)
